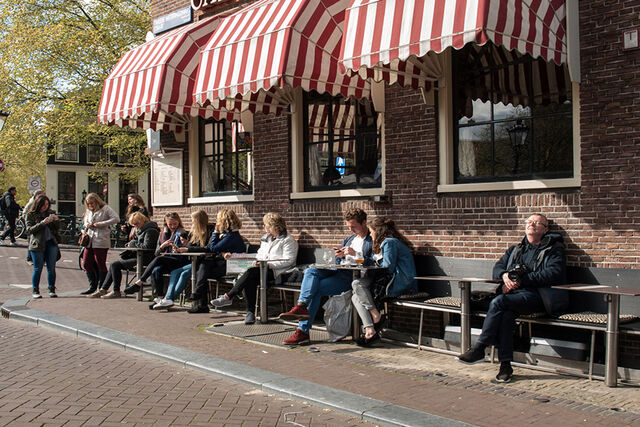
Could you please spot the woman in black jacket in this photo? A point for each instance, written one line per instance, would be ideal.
(145, 237)
(43, 225)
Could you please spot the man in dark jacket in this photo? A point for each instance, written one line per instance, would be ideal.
(527, 271)
(10, 211)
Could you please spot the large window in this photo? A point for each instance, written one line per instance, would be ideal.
(342, 143)
(512, 117)
(226, 160)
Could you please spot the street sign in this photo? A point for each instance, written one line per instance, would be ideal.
(1, 166)
(34, 184)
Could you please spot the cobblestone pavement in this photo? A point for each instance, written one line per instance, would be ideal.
(51, 378)
(420, 380)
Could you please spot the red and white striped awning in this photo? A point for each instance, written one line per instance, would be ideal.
(401, 36)
(272, 45)
(152, 85)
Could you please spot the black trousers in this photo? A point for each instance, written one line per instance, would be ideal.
(11, 220)
(249, 282)
(209, 268)
(115, 273)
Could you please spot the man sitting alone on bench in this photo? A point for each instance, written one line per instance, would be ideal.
(527, 271)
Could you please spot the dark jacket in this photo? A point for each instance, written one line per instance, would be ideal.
(13, 209)
(37, 230)
(546, 266)
(366, 249)
(165, 235)
(229, 241)
(146, 238)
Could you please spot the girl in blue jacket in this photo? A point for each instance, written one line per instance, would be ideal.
(391, 249)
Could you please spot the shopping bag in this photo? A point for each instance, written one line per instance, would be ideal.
(337, 316)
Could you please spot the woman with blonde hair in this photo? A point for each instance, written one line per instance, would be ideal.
(97, 221)
(278, 245)
(146, 237)
(179, 277)
(225, 239)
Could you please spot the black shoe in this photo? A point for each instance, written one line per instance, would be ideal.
(505, 374)
(130, 290)
(88, 291)
(197, 308)
(471, 356)
(366, 342)
(380, 324)
(250, 318)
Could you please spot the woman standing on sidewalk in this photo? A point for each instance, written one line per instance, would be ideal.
(43, 225)
(135, 204)
(97, 222)
(198, 239)
(163, 262)
(392, 252)
(146, 237)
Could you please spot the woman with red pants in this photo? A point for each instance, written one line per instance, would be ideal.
(98, 219)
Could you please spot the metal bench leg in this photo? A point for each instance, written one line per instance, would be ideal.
(591, 351)
(420, 330)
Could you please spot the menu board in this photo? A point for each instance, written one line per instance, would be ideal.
(166, 180)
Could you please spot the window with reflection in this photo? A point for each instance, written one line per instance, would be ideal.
(97, 153)
(226, 158)
(342, 143)
(67, 152)
(513, 116)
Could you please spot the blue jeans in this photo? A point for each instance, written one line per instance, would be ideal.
(178, 281)
(318, 283)
(497, 328)
(49, 256)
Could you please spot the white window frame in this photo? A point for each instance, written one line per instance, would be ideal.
(194, 173)
(297, 159)
(446, 145)
(60, 150)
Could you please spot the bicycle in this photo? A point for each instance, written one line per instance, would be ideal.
(21, 228)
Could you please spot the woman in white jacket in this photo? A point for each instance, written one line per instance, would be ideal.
(97, 222)
(276, 245)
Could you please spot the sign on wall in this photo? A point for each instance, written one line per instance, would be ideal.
(166, 180)
(172, 20)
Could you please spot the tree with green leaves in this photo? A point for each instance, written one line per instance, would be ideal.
(54, 58)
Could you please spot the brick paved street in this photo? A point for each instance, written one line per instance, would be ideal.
(51, 378)
(424, 381)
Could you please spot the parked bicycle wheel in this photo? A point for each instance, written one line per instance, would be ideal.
(21, 229)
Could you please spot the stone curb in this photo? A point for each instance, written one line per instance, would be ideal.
(366, 408)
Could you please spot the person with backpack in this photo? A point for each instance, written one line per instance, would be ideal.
(10, 209)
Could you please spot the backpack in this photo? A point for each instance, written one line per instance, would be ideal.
(3, 204)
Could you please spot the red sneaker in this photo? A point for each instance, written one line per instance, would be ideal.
(298, 312)
(298, 338)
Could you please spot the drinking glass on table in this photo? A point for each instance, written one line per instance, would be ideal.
(359, 258)
(327, 256)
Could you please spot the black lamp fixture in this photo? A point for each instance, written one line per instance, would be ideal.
(518, 134)
(84, 195)
(3, 118)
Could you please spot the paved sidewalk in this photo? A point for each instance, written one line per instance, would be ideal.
(427, 382)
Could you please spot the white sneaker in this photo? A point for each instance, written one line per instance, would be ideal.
(36, 296)
(157, 300)
(221, 301)
(165, 303)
